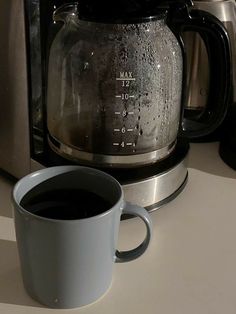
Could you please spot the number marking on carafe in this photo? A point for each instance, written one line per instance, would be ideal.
(124, 96)
(122, 144)
(124, 113)
(126, 76)
(123, 130)
(126, 79)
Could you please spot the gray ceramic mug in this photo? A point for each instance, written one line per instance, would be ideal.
(69, 263)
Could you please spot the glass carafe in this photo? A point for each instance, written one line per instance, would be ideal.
(115, 89)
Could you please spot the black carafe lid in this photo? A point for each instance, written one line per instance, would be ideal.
(124, 11)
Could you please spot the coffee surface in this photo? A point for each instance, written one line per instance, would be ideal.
(64, 204)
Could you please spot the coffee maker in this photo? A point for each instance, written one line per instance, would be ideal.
(23, 127)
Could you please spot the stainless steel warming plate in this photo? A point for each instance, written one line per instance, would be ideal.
(149, 186)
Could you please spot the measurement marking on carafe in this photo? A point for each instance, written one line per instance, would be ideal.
(116, 130)
(125, 96)
(124, 113)
(126, 79)
(123, 144)
(130, 130)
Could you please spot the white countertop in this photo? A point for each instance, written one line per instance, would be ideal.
(189, 268)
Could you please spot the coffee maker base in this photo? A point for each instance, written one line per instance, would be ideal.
(158, 190)
(154, 185)
(149, 186)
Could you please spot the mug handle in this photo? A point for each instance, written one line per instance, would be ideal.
(135, 210)
(216, 40)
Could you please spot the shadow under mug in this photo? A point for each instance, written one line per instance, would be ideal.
(69, 263)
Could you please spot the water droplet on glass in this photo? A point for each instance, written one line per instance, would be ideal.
(86, 65)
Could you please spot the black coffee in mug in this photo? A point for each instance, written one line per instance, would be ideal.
(64, 204)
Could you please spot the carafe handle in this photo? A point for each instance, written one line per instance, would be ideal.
(217, 44)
